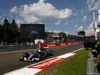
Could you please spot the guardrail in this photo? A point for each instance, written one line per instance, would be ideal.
(91, 65)
(19, 47)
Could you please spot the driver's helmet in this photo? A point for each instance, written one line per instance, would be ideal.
(39, 50)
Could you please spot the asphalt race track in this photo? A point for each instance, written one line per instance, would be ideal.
(9, 61)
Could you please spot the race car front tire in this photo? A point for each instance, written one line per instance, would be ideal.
(26, 55)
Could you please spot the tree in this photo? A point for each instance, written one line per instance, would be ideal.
(1, 33)
(14, 31)
(6, 31)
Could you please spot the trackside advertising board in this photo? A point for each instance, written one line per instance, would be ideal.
(58, 44)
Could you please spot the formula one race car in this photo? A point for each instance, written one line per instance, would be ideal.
(38, 55)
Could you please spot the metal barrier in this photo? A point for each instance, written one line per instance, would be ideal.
(91, 65)
(19, 47)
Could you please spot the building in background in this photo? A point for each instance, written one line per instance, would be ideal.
(55, 37)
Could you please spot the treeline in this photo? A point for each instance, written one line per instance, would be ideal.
(9, 32)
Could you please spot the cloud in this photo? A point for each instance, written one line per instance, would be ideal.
(90, 2)
(90, 30)
(14, 9)
(75, 26)
(19, 21)
(66, 23)
(40, 11)
(93, 4)
(56, 31)
(41, 1)
(58, 23)
(75, 14)
(0, 16)
(80, 28)
(84, 18)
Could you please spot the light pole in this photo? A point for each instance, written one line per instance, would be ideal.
(99, 15)
(99, 25)
(95, 26)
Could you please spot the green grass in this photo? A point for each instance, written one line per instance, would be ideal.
(75, 66)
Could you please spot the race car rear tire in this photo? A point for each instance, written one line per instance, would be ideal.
(25, 56)
(40, 56)
(51, 52)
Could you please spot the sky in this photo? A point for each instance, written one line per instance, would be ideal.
(69, 16)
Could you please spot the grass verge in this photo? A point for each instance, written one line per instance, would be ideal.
(75, 65)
